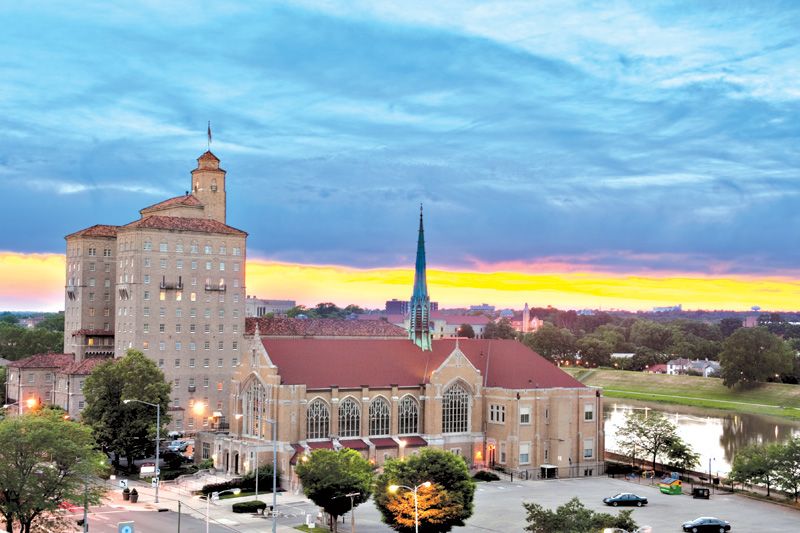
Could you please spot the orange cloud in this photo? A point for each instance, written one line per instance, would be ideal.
(36, 282)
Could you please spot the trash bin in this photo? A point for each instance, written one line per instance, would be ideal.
(701, 493)
(126, 494)
(134, 496)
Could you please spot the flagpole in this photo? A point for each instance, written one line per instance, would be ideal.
(209, 135)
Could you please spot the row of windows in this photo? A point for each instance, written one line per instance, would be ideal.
(206, 364)
(92, 252)
(164, 263)
(318, 418)
(73, 267)
(162, 345)
(192, 297)
(162, 328)
(194, 248)
(497, 414)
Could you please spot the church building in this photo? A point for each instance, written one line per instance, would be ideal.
(387, 392)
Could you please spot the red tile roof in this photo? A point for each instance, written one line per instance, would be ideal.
(201, 225)
(322, 327)
(383, 442)
(352, 363)
(85, 367)
(186, 200)
(45, 360)
(98, 230)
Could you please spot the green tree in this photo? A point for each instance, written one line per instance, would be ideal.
(551, 342)
(52, 322)
(652, 335)
(752, 355)
(8, 318)
(329, 475)
(501, 329)
(787, 466)
(681, 456)
(450, 480)
(465, 330)
(125, 429)
(46, 461)
(646, 434)
(17, 342)
(728, 325)
(756, 464)
(595, 351)
(574, 517)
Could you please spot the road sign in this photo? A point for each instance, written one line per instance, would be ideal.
(215, 496)
(125, 527)
(147, 469)
(154, 482)
(123, 483)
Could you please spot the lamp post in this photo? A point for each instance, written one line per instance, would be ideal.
(274, 425)
(158, 438)
(710, 481)
(414, 489)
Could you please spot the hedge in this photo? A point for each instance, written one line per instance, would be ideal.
(250, 506)
(485, 475)
(246, 483)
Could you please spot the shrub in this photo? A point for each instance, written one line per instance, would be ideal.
(251, 506)
(205, 464)
(485, 475)
(246, 483)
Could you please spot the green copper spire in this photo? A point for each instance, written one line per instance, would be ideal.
(420, 306)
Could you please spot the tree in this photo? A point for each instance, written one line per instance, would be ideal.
(652, 335)
(787, 466)
(125, 429)
(595, 351)
(650, 434)
(756, 464)
(551, 342)
(17, 342)
(502, 329)
(46, 461)
(329, 475)
(465, 330)
(751, 355)
(52, 322)
(9, 318)
(450, 479)
(574, 517)
(681, 456)
(728, 325)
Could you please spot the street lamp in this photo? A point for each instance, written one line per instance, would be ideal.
(158, 438)
(351, 495)
(395, 488)
(710, 481)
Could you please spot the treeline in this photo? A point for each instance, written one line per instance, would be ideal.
(324, 310)
(18, 342)
(770, 465)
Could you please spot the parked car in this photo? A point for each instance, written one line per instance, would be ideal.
(625, 498)
(706, 523)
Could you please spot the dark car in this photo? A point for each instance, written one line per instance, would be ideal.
(707, 523)
(625, 498)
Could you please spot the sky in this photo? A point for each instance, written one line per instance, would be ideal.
(577, 154)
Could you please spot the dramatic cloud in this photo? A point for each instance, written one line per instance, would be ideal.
(613, 137)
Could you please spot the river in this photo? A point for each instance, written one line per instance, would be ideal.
(714, 434)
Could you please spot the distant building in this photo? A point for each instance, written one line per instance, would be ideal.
(657, 369)
(396, 307)
(31, 322)
(585, 312)
(256, 307)
(4, 362)
(483, 308)
(669, 309)
(750, 321)
(444, 326)
(620, 355)
(527, 324)
(704, 367)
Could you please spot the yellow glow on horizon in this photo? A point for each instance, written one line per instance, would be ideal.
(36, 282)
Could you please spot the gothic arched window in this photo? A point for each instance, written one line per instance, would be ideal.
(349, 418)
(255, 409)
(408, 416)
(318, 420)
(379, 417)
(455, 409)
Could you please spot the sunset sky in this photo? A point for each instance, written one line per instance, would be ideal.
(578, 154)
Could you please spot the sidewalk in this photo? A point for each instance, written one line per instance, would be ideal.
(220, 512)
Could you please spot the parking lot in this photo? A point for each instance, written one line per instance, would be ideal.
(498, 507)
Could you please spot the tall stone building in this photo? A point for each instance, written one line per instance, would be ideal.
(171, 284)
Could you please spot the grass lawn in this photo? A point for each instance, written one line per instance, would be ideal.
(318, 529)
(776, 399)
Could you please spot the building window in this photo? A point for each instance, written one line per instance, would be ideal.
(524, 415)
(318, 419)
(379, 417)
(206, 453)
(147, 278)
(147, 262)
(205, 363)
(162, 328)
(235, 345)
(455, 409)
(408, 416)
(92, 252)
(145, 345)
(148, 246)
(160, 363)
(179, 264)
(497, 414)
(191, 362)
(588, 448)
(146, 328)
(177, 328)
(177, 346)
(524, 453)
(177, 363)
(588, 412)
(237, 250)
(219, 362)
(502, 453)
(349, 418)
(205, 382)
(146, 295)
(179, 248)
(162, 346)
(162, 263)
(162, 247)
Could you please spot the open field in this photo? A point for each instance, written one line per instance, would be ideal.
(774, 399)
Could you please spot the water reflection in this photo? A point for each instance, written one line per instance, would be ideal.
(715, 435)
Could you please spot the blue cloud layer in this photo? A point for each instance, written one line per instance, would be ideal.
(658, 138)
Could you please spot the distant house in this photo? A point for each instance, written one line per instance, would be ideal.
(703, 367)
(657, 369)
(621, 355)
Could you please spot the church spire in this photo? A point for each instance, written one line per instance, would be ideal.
(420, 305)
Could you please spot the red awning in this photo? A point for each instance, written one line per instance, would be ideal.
(383, 442)
(414, 441)
(298, 451)
(320, 445)
(354, 444)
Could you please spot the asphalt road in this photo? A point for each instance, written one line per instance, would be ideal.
(105, 520)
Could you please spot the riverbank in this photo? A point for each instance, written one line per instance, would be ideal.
(775, 399)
